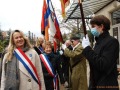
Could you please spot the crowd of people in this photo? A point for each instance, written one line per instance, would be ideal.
(39, 67)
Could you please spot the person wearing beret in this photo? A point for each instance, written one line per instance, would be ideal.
(78, 64)
(103, 57)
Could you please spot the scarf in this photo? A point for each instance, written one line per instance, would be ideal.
(12, 73)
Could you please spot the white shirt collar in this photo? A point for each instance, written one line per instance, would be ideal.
(76, 46)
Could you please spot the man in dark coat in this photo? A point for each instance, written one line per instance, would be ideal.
(103, 57)
(66, 63)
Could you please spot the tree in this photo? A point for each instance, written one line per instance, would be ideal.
(1, 36)
(1, 46)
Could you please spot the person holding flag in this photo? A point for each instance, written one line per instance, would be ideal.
(21, 67)
(103, 57)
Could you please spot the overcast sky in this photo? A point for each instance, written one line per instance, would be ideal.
(23, 14)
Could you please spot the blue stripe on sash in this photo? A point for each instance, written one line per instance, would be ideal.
(28, 69)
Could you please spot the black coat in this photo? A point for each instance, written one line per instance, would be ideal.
(103, 63)
(66, 64)
(55, 61)
(37, 49)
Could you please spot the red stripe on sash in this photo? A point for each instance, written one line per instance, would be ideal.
(46, 65)
(34, 68)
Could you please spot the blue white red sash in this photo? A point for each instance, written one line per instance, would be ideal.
(50, 70)
(40, 49)
(22, 57)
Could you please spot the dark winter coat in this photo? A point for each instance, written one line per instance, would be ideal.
(55, 61)
(39, 50)
(103, 63)
(66, 64)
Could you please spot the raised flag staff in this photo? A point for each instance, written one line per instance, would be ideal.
(82, 16)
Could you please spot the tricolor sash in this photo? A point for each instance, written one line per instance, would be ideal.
(50, 70)
(22, 57)
(40, 49)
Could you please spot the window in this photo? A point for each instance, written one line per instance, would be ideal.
(116, 17)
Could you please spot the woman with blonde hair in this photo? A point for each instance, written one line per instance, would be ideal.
(21, 67)
(39, 45)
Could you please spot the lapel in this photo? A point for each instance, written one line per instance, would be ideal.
(79, 47)
(23, 69)
(76, 47)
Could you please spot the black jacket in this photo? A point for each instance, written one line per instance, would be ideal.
(55, 61)
(38, 50)
(103, 63)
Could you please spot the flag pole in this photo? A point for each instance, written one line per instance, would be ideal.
(82, 16)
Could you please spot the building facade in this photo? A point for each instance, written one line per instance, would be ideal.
(112, 11)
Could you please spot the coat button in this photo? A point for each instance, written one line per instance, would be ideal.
(29, 80)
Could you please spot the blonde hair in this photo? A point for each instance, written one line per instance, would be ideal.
(11, 45)
(38, 42)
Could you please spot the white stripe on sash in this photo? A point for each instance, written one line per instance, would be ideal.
(50, 69)
(22, 57)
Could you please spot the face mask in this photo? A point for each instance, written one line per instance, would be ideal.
(95, 32)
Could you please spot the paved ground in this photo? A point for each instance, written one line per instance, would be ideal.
(88, 70)
(62, 88)
(118, 81)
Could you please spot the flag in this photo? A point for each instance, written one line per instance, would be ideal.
(50, 24)
(44, 21)
(58, 33)
(64, 4)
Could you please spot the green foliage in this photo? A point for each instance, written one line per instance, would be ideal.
(3, 44)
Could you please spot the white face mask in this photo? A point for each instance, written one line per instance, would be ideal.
(95, 32)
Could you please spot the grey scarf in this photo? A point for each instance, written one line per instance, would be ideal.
(12, 73)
